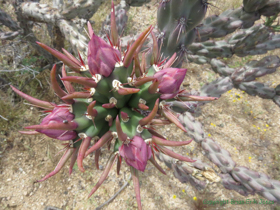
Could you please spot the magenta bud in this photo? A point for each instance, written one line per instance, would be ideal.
(101, 57)
(136, 153)
(58, 125)
(170, 80)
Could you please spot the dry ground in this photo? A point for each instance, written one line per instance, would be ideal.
(248, 127)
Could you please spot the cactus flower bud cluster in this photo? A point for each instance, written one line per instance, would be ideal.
(124, 102)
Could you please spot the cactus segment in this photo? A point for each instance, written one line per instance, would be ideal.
(128, 95)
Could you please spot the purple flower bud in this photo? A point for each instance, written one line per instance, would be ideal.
(170, 80)
(136, 153)
(60, 114)
(101, 56)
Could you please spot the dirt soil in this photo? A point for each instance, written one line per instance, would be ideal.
(248, 127)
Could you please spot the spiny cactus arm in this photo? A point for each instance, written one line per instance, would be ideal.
(243, 79)
(6, 20)
(231, 184)
(257, 88)
(231, 20)
(257, 182)
(216, 88)
(71, 33)
(57, 3)
(40, 12)
(43, 13)
(252, 41)
(28, 34)
(81, 8)
(198, 59)
(212, 49)
(188, 172)
(225, 23)
(221, 68)
(255, 40)
(176, 23)
(251, 181)
(254, 69)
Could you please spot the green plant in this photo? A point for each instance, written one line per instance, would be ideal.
(151, 88)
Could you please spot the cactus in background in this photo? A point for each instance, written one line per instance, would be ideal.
(127, 94)
(120, 90)
(238, 178)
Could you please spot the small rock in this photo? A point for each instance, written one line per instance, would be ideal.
(260, 158)
(221, 125)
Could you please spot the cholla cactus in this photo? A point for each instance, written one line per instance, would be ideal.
(124, 101)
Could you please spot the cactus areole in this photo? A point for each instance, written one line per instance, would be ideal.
(124, 102)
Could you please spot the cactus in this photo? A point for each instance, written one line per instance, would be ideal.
(119, 90)
(128, 94)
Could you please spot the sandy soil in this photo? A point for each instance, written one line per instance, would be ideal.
(248, 127)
